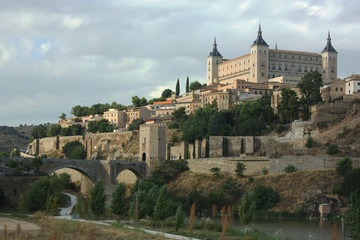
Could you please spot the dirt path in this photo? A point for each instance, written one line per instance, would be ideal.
(11, 224)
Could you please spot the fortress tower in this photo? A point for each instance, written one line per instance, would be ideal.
(329, 62)
(213, 61)
(152, 145)
(259, 59)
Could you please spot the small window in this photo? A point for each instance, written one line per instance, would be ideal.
(336, 89)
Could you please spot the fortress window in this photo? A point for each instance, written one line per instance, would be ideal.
(332, 70)
(262, 64)
(285, 56)
(336, 89)
(273, 54)
(260, 51)
(262, 74)
(264, 51)
(305, 58)
(292, 57)
(311, 58)
(273, 67)
(279, 68)
(279, 55)
(311, 70)
(341, 89)
(253, 64)
(299, 57)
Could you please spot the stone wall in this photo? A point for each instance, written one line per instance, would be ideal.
(277, 165)
(254, 165)
(113, 145)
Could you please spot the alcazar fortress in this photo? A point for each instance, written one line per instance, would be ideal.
(263, 64)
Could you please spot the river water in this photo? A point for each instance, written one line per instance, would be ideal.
(295, 229)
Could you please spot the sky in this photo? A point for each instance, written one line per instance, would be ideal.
(57, 54)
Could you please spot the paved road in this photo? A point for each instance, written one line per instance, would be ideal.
(65, 212)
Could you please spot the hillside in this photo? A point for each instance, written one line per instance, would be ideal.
(14, 137)
(299, 191)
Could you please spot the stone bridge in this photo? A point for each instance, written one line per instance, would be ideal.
(106, 170)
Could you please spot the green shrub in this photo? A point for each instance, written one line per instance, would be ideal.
(251, 179)
(173, 125)
(265, 171)
(309, 142)
(264, 197)
(351, 182)
(343, 166)
(290, 168)
(74, 150)
(332, 149)
(174, 139)
(216, 171)
(240, 168)
(280, 128)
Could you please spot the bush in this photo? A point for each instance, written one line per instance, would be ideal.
(173, 125)
(250, 179)
(240, 168)
(289, 169)
(351, 182)
(343, 166)
(74, 150)
(280, 128)
(332, 149)
(309, 142)
(265, 171)
(135, 124)
(216, 171)
(167, 171)
(264, 197)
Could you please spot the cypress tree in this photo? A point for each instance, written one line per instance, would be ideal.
(177, 90)
(187, 84)
(97, 199)
(118, 202)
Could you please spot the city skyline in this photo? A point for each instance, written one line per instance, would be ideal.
(58, 54)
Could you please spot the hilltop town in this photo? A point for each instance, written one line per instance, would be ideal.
(271, 111)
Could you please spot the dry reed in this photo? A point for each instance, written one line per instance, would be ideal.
(224, 222)
(335, 235)
(214, 210)
(192, 217)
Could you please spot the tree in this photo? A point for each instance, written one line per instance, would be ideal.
(143, 101)
(135, 124)
(187, 84)
(166, 93)
(180, 114)
(101, 126)
(97, 199)
(39, 132)
(118, 202)
(135, 101)
(310, 91)
(352, 216)
(62, 116)
(54, 131)
(179, 218)
(289, 106)
(195, 86)
(240, 168)
(343, 166)
(246, 209)
(162, 209)
(79, 111)
(177, 89)
(74, 150)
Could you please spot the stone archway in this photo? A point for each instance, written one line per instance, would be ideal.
(127, 176)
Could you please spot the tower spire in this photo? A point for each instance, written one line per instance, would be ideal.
(329, 47)
(276, 45)
(215, 52)
(259, 40)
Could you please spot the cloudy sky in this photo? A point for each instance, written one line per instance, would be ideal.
(55, 54)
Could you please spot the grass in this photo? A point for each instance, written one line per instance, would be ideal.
(57, 229)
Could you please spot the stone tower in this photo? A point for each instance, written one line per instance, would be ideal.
(259, 59)
(212, 65)
(152, 144)
(329, 62)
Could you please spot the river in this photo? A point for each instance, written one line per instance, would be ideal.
(295, 229)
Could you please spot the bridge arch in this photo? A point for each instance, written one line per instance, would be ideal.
(137, 168)
(77, 168)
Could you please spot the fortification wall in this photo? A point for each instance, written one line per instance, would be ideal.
(254, 165)
(114, 145)
(277, 165)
